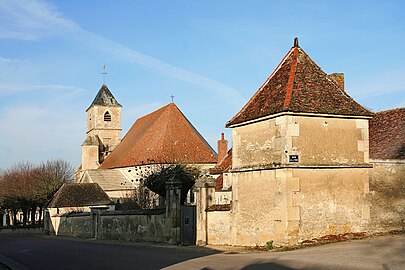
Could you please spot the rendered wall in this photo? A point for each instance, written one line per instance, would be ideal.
(318, 141)
(387, 199)
(219, 227)
(291, 205)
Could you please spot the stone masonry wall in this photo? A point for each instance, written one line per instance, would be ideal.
(150, 228)
(75, 226)
(126, 227)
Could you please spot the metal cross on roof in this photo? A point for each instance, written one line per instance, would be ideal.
(172, 97)
(104, 73)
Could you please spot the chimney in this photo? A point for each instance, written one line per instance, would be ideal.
(338, 79)
(222, 148)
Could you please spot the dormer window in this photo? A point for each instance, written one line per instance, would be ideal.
(107, 117)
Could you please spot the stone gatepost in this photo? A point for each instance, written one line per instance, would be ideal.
(96, 212)
(205, 196)
(173, 211)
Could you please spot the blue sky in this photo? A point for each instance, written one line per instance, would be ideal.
(212, 55)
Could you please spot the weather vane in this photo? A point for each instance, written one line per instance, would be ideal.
(172, 97)
(104, 73)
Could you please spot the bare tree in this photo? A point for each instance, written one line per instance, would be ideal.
(25, 187)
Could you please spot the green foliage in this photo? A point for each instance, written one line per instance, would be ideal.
(187, 175)
(269, 245)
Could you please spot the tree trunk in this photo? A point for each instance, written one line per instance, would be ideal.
(25, 216)
(40, 215)
(33, 212)
(14, 217)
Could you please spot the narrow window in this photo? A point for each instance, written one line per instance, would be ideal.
(107, 117)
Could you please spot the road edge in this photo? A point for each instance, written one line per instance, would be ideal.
(13, 265)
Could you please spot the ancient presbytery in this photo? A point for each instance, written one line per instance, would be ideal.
(164, 136)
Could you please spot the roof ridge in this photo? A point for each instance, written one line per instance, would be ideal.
(291, 78)
(143, 117)
(263, 84)
(197, 133)
(393, 109)
(152, 112)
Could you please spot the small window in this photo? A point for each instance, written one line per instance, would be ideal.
(107, 117)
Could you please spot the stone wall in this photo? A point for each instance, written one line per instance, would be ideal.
(108, 131)
(29, 230)
(387, 199)
(133, 227)
(75, 225)
(317, 141)
(127, 226)
(219, 227)
(290, 205)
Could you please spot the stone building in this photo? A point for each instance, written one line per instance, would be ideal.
(300, 160)
(75, 198)
(387, 178)
(164, 136)
(103, 129)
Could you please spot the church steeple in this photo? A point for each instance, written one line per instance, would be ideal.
(103, 128)
(104, 98)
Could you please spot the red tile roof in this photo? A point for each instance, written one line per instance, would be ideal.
(162, 137)
(225, 164)
(219, 182)
(387, 135)
(223, 167)
(298, 84)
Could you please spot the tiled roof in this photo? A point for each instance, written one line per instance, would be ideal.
(387, 135)
(225, 164)
(223, 167)
(79, 194)
(219, 182)
(298, 85)
(92, 140)
(161, 137)
(105, 98)
(108, 180)
(219, 207)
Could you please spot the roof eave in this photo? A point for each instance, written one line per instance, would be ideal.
(238, 124)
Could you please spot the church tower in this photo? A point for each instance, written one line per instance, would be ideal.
(103, 129)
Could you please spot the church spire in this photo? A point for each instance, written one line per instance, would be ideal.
(105, 98)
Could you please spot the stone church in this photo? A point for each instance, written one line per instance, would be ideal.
(164, 136)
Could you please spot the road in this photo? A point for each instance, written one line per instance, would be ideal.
(60, 253)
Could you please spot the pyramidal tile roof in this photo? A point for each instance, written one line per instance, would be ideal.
(387, 135)
(164, 136)
(105, 98)
(298, 84)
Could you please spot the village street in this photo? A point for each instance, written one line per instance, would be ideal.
(61, 253)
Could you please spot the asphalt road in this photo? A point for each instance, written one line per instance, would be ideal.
(60, 253)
